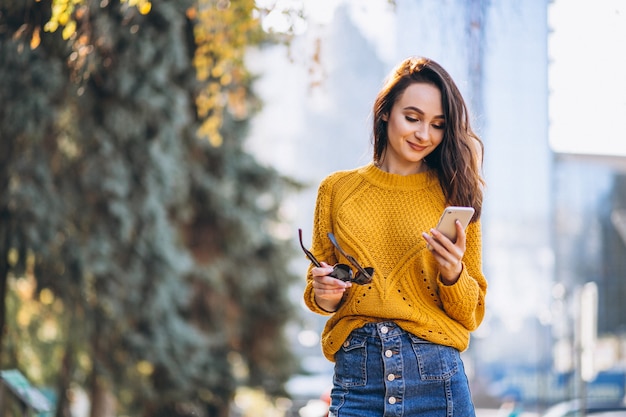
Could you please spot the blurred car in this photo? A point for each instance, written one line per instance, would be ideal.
(309, 390)
(592, 408)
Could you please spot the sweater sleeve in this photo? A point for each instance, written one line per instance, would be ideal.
(464, 301)
(321, 246)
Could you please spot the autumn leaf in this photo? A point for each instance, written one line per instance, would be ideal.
(35, 40)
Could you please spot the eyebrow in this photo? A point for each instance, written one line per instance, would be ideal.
(418, 110)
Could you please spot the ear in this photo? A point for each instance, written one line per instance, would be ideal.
(385, 117)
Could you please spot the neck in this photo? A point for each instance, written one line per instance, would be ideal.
(406, 169)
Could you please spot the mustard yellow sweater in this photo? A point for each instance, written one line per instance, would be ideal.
(378, 218)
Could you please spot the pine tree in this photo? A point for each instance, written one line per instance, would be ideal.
(129, 203)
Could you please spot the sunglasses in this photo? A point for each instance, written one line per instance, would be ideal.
(342, 272)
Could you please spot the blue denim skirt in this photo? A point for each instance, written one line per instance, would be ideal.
(381, 370)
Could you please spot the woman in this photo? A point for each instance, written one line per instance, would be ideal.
(396, 337)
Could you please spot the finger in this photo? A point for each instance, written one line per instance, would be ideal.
(445, 252)
(328, 287)
(438, 236)
(329, 282)
(460, 234)
(328, 293)
(436, 241)
(429, 240)
(322, 271)
(448, 245)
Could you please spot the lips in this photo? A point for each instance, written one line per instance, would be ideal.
(417, 147)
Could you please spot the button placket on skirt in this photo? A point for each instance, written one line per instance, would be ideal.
(392, 365)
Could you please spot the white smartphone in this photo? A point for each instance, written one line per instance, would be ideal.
(452, 214)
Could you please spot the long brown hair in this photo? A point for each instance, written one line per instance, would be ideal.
(458, 159)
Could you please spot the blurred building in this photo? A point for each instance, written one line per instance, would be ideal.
(590, 247)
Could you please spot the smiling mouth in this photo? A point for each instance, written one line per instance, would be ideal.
(416, 147)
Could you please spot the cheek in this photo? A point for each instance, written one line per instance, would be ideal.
(398, 126)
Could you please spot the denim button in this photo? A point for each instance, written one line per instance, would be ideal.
(391, 377)
(384, 330)
(392, 400)
(346, 343)
(388, 353)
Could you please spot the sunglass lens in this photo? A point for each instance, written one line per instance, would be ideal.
(361, 278)
(342, 272)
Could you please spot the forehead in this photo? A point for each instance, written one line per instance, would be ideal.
(424, 96)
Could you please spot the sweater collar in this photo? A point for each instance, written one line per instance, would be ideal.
(383, 179)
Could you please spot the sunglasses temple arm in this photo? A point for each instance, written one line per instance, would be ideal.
(312, 258)
(358, 266)
(335, 244)
(307, 252)
(348, 257)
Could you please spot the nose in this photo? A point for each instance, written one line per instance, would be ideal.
(421, 131)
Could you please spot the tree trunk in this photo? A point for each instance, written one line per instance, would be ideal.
(65, 379)
(4, 272)
(5, 235)
(102, 400)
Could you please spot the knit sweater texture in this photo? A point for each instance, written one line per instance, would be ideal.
(378, 218)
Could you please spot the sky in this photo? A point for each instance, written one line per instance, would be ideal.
(373, 17)
(587, 77)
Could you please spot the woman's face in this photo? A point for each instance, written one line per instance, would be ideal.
(415, 127)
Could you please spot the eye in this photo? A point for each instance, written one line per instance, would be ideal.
(439, 126)
(411, 119)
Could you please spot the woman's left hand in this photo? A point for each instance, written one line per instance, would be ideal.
(447, 253)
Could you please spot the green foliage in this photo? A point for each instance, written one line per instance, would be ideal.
(145, 255)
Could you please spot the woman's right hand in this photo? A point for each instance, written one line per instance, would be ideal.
(328, 290)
